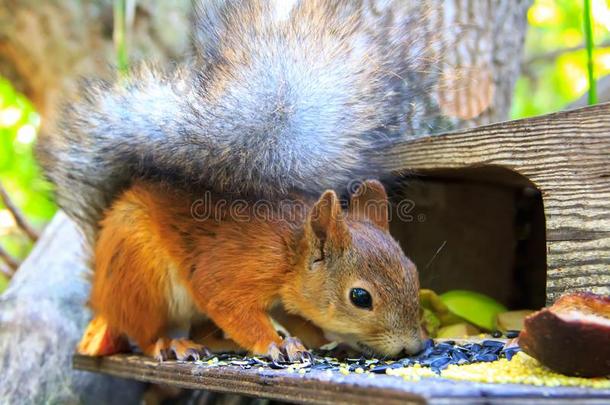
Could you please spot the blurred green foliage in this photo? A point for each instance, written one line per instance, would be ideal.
(552, 78)
(19, 172)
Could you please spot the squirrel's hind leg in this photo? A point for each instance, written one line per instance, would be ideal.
(100, 340)
(131, 276)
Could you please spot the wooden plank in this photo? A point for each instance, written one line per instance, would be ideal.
(274, 384)
(566, 155)
(323, 387)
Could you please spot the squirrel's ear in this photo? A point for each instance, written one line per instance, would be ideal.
(327, 222)
(370, 202)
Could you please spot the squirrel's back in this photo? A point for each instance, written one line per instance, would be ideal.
(281, 96)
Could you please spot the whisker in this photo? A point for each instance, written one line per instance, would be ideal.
(216, 329)
(435, 254)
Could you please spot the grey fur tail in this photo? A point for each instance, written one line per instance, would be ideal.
(281, 96)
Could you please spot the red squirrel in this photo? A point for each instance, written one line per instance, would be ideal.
(280, 99)
(157, 267)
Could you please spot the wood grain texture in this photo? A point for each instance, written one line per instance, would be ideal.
(322, 387)
(566, 156)
(273, 384)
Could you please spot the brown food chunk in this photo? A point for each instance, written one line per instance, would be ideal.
(572, 336)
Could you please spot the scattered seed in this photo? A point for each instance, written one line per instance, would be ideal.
(379, 369)
(440, 363)
(509, 353)
(493, 344)
(433, 360)
(277, 366)
(485, 357)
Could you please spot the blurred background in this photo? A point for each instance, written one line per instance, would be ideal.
(554, 76)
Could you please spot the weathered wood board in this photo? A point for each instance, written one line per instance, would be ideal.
(323, 387)
(565, 155)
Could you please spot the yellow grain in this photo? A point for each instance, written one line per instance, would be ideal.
(522, 369)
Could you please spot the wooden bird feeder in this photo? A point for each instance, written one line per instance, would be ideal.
(559, 162)
(530, 198)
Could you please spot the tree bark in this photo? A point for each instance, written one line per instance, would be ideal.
(45, 47)
(482, 49)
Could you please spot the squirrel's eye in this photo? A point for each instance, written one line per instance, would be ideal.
(361, 298)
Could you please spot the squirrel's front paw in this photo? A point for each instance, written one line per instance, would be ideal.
(290, 350)
(179, 349)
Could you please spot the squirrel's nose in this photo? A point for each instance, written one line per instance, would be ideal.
(414, 346)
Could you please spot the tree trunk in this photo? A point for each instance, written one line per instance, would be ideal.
(482, 47)
(45, 47)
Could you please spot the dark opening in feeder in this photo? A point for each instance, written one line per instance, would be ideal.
(479, 229)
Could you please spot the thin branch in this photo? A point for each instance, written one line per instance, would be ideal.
(592, 93)
(19, 217)
(6, 270)
(554, 54)
(119, 35)
(8, 259)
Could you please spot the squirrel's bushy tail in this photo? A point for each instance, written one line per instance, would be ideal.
(280, 96)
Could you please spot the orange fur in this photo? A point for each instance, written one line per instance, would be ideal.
(232, 270)
(158, 268)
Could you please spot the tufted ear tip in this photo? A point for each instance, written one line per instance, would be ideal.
(326, 219)
(370, 203)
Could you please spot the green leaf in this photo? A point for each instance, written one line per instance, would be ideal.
(476, 308)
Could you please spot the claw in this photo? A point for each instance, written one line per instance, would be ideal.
(275, 353)
(159, 351)
(185, 350)
(290, 350)
(178, 349)
(307, 357)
